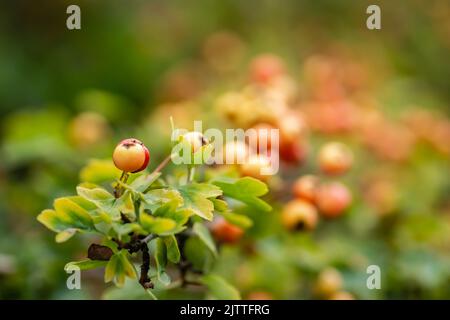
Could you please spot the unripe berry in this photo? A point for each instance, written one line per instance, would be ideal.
(299, 215)
(333, 199)
(329, 282)
(131, 155)
(254, 167)
(195, 139)
(335, 158)
(226, 232)
(306, 187)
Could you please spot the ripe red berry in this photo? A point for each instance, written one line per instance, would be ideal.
(131, 155)
(305, 188)
(335, 158)
(299, 215)
(333, 199)
(226, 232)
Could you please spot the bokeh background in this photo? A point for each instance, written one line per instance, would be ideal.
(69, 96)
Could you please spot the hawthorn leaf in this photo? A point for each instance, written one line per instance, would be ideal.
(157, 225)
(239, 220)
(219, 288)
(203, 233)
(86, 264)
(246, 189)
(196, 200)
(99, 171)
(173, 252)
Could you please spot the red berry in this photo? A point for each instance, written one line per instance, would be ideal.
(335, 158)
(226, 232)
(305, 188)
(333, 199)
(131, 155)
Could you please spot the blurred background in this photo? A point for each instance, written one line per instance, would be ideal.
(68, 96)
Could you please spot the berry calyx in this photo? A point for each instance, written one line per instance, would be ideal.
(299, 215)
(131, 155)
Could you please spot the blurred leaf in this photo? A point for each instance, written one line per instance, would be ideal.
(246, 189)
(99, 171)
(219, 288)
(239, 220)
(173, 252)
(86, 264)
(203, 233)
(65, 235)
(143, 182)
(198, 254)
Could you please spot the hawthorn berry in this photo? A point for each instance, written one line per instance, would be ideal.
(299, 215)
(335, 158)
(131, 155)
(333, 199)
(195, 139)
(226, 232)
(305, 188)
(265, 68)
(329, 282)
(255, 165)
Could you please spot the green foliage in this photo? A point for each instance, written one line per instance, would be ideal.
(170, 217)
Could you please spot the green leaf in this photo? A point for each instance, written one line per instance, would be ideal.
(125, 205)
(196, 200)
(239, 220)
(99, 171)
(142, 183)
(219, 288)
(198, 254)
(98, 196)
(155, 198)
(67, 215)
(86, 264)
(119, 267)
(65, 235)
(173, 252)
(246, 189)
(160, 254)
(203, 233)
(157, 225)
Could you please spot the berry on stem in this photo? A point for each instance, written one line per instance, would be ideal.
(131, 155)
